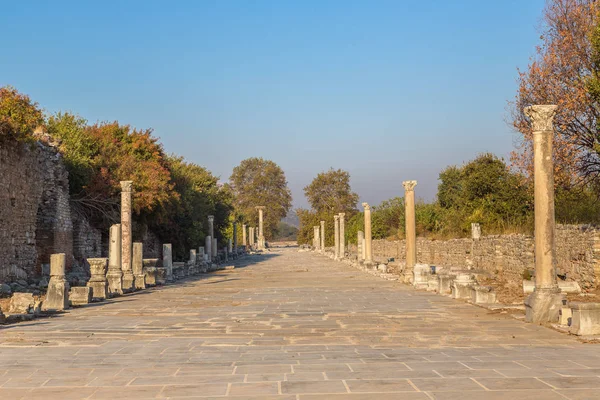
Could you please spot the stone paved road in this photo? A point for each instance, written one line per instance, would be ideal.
(291, 325)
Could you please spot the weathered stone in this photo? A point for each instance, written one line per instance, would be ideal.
(261, 235)
(22, 303)
(114, 276)
(368, 238)
(126, 236)
(2, 316)
(211, 233)
(461, 286)
(208, 248)
(483, 295)
(57, 296)
(475, 231)
(445, 283)
(322, 237)
(150, 271)
(336, 238)
(564, 315)
(167, 261)
(543, 304)
(410, 223)
(564, 286)
(137, 264)
(98, 282)
(80, 295)
(342, 236)
(421, 274)
(585, 319)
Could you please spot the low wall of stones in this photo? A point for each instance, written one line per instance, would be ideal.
(577, 253)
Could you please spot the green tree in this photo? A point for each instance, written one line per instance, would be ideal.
(259, 182)
(19, 116)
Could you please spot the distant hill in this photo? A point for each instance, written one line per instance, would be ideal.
(292, 219)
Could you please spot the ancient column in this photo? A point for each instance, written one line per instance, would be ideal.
(316, 240)
(126, 236)
(322, 236)
(208, 247)
(137, 265)
(368, 248)
(235, 238)
(359, 245)
(244, 238)
(215, 249)
(336, 234)
(114, 276)
(211, 232)
(342, 235)
(168, 261)
(229, 247)
(544, 303)
(261, 233)
(410, 223)
(97, 281)
(57, 295)
(200, 254)
(475, 231)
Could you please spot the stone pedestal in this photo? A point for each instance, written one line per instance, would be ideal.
(80, 295)
(483, 295)
(585, 319)
(543, 304)
(98, 283)
(126, 236)
(167, 261)
(461, 286)
(150, 271)
(57, 296)
(138, 266)
(368, 238)
(114, 276)
(421, 274)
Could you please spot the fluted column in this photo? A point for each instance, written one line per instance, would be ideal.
(368, 237)
(126, 236)
(544, 303)
(410, 222)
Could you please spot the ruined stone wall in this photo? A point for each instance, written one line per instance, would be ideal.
(35, 217)
(577, 253)
(87, 240)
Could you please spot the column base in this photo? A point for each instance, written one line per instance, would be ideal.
(57, 296)
(140, 281)
(128, 282)
(115, 283)
(543, 305)
(99, 289)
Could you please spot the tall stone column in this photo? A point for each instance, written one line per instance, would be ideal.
(251, 236)
(235, 238)
(544, 303)
(322, 235)
(114, 276)
(137, 265)
(316, 239)
(342, 235)
(410, 222)
(167, 254)
(126, 236)
(57, 295)
(336, 234)
(359, 245)
(211, 231)
(261, 233)
(208, 248)
(229, 247)
(244, 238)
(368, 237)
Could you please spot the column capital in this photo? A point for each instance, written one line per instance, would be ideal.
(409, 186)
(366, 206)
(342, 215)
(260, 207)
(541, 116)
(126, 186)
(211, 218)
(336, 217)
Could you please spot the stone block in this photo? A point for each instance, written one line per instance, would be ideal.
(483, 295)
(445, 283)
(461, 286)
(98, 282)
(586, 319)
(80, 295)
(421, 273)
(57, 295)
(161, 275)
(433, 284)
(564, 316)
(22, 303)
(150, 271)
(564, 286)
(543, 305)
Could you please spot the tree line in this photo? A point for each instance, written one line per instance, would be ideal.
(172, 196)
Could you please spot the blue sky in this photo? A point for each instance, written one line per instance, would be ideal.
(388, 90)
